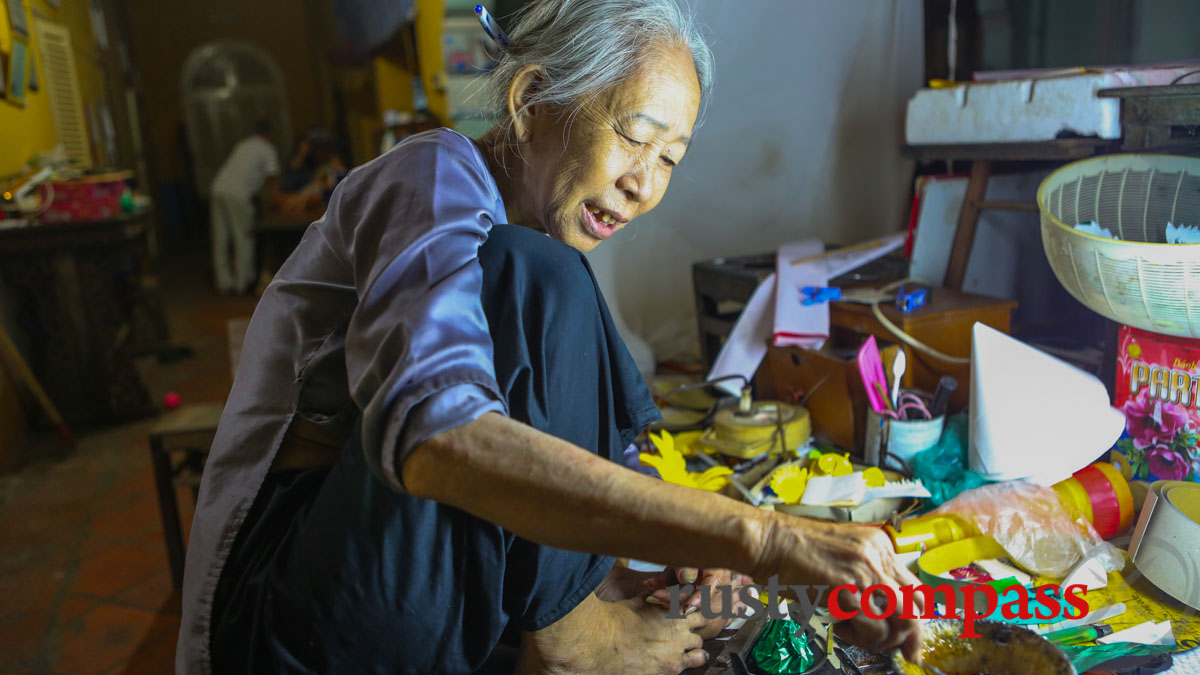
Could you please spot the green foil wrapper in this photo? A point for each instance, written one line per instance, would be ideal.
(782, 649)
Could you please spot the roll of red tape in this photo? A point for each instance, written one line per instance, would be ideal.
(1106, 507)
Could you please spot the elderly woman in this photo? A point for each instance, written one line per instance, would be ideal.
(413, 468)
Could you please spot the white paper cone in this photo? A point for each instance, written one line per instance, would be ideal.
(1034, 417)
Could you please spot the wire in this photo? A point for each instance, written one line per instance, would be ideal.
(701, 385)
(905, 337)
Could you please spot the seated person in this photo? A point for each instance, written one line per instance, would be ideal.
(441, 530)
(335, 572)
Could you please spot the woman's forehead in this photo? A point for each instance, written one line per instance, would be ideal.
(662, 92)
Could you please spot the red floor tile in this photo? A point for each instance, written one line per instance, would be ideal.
(155, 594)
(136, 517)
(105, 637)
(31, 590)
(116, 570)
(76, 606)
(21, 638)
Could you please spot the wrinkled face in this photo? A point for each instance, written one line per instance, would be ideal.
(590, 175)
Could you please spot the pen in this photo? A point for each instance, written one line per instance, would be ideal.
(941, 397)
(491, 27)
(1079, 633)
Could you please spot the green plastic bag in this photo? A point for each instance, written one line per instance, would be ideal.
(943, 468)
(1086, 657)
(782, 649)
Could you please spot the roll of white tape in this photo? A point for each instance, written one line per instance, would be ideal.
(1166, 542)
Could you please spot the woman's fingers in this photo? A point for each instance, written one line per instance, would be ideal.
(695, 658)
(687, 575)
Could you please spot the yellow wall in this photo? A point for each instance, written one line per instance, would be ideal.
(430, 17)
(27, 130)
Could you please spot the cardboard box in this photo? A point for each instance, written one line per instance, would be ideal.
(944, 323)
(837, 399)
(1157, 390)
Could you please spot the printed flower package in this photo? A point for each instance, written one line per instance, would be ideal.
(1157, 378)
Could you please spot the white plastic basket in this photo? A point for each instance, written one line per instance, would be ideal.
(1137, 280)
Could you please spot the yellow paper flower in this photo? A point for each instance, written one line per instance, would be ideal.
(829, 464)
(789, 482)
(673, 467)
(688, 442)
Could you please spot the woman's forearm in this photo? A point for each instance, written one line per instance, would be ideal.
(554, 493)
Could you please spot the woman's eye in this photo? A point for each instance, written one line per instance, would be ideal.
(667, 160)
(630, 140)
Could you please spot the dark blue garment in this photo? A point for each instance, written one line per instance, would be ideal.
(335, 572)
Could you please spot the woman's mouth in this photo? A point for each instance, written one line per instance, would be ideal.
(600, 224)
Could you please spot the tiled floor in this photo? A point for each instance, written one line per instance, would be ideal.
(84, 586)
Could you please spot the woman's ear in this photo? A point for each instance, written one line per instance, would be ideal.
(525, 84)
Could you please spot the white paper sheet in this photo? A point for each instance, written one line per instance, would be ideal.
(746, 345)
(797, 325)
(835, 490)
(1090, 572)
(1099, 616)
(1149, 633)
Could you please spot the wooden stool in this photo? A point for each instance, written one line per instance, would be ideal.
(188, 434)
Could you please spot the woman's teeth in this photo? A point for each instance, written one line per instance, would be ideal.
(602, 216)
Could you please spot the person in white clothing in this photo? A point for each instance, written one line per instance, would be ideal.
(252, 166)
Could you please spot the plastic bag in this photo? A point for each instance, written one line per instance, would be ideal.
(1087, 657)
(782, 649)
(1034, 527)
(943, 468)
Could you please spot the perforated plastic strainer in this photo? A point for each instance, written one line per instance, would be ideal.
(1139, 279)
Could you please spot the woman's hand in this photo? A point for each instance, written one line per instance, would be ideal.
(810, 552)
(623, 583)
(615, 638)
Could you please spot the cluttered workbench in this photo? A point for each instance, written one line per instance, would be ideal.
(995, 469)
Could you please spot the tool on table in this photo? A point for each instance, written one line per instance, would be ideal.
(1088, 633)
(815, 295)
(870, 367)
(910, 298)
(941, 397)
(899, 365)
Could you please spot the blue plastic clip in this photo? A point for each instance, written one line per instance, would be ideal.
(911, 298)
(815, 295)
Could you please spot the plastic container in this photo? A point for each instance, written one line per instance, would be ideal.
(930, 532)
(901, 438)
(1136, 279)
(1103, 495)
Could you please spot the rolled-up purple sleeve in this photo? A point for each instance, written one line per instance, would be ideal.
(418, 351)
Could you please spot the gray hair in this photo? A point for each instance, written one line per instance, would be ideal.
(588, 46)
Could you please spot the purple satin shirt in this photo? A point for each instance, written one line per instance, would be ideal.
(375, 315)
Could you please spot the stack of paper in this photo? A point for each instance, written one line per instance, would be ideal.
(769, 314)
(797, 325)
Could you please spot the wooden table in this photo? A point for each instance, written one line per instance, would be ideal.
(80, 288)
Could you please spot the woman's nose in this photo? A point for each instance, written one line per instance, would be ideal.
(635, 184)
